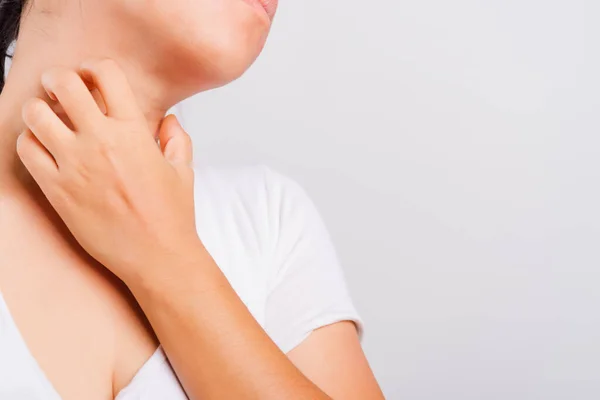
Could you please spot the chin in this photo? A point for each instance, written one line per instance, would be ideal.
(230, 53)
(211, 45)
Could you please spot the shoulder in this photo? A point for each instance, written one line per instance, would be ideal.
(268, 237)
(270, 212)
(249, 217)
(255, 191)
(247, 178)
(255, 218)
(256, 224)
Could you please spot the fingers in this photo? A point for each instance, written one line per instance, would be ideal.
(112, 83)
(47, 127)
(36, 158)
(175, 143)
(67, 87)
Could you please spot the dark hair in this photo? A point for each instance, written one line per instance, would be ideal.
(10, 18)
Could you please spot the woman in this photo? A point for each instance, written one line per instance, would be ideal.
(116, 253)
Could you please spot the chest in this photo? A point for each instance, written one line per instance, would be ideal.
(70, 329)
(67, 323)
(77, 326)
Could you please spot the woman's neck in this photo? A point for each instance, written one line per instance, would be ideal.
(32, 57)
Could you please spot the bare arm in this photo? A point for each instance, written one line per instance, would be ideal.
(218, 350)
(333, 359)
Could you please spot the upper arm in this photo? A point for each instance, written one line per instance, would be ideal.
(332, 358)
(309, 312)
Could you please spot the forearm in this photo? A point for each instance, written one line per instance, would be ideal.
(215, 345)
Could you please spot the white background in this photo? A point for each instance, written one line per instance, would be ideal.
(452, 149)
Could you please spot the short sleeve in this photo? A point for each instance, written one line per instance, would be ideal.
(306, 287)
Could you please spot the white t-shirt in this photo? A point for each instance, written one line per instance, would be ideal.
(269, 240)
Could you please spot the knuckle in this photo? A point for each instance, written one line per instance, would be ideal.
(55, 77)
(67, 80)
(23, 143)
(187, 139)
(108, 65)
(83, 171)
(62, 197)
(62, 183)
(33, 111)
(76, 175)
(49, 75)
(103, 67)
(106, 144)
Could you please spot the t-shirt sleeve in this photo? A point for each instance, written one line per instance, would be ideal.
(306, 287)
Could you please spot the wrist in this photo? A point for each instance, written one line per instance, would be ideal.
(169, 268)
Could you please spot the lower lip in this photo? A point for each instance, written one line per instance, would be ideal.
(266, 6)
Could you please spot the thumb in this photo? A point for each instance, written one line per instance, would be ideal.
(175, 143)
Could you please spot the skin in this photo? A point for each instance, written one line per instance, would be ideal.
(87, 190)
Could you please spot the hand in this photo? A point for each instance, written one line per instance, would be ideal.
(123, 198)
